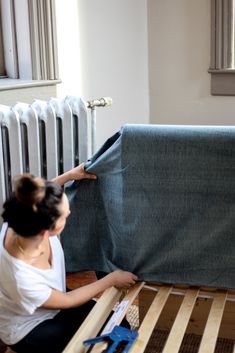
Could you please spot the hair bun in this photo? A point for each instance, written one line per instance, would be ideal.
(29, 190)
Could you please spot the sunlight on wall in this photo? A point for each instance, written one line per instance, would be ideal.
(103, 51)
(68, 48)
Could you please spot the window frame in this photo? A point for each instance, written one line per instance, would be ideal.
(29, 41)
(222, 66)
(2, 62)
(9, 38)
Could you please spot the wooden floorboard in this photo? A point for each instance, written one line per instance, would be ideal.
(77, 279)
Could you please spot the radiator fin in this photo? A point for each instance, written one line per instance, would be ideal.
(45, 138)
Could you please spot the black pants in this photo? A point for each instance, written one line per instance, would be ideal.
(52, 336)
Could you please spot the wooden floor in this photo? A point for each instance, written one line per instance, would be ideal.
(77, 279)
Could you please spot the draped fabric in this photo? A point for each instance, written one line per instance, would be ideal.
(163, 206)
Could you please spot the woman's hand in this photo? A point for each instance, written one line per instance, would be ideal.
(79, 173)
(76, 173)
(123, 279)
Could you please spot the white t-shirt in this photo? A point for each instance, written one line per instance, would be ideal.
(24, 288)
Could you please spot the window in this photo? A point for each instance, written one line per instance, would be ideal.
(28, 45)
(222, 67)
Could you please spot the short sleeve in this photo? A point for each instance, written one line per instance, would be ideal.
(31, 293)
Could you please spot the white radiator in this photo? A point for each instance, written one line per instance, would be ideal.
(45, 138)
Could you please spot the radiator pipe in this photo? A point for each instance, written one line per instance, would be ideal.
(93, 130)
(102, 102)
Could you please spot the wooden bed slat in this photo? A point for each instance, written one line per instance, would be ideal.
(151, 319)
(211, 331)
(94, 321)
(181, 322)
(117, 318)
(123, 307)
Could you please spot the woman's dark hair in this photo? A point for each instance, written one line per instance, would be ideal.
(33, 206)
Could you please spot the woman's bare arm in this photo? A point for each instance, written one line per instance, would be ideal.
(76, 173)
(79, 296)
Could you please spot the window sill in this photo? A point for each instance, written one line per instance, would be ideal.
(222, 82)
(8, 83)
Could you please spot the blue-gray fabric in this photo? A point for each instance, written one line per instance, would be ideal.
(163, 206)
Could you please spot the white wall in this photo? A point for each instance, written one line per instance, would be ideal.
(108, 48)
(148, 55)
(103, 52)
(179, 57)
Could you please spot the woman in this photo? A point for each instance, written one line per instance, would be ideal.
(36, 312)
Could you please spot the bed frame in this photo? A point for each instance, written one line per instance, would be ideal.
(179, 310)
